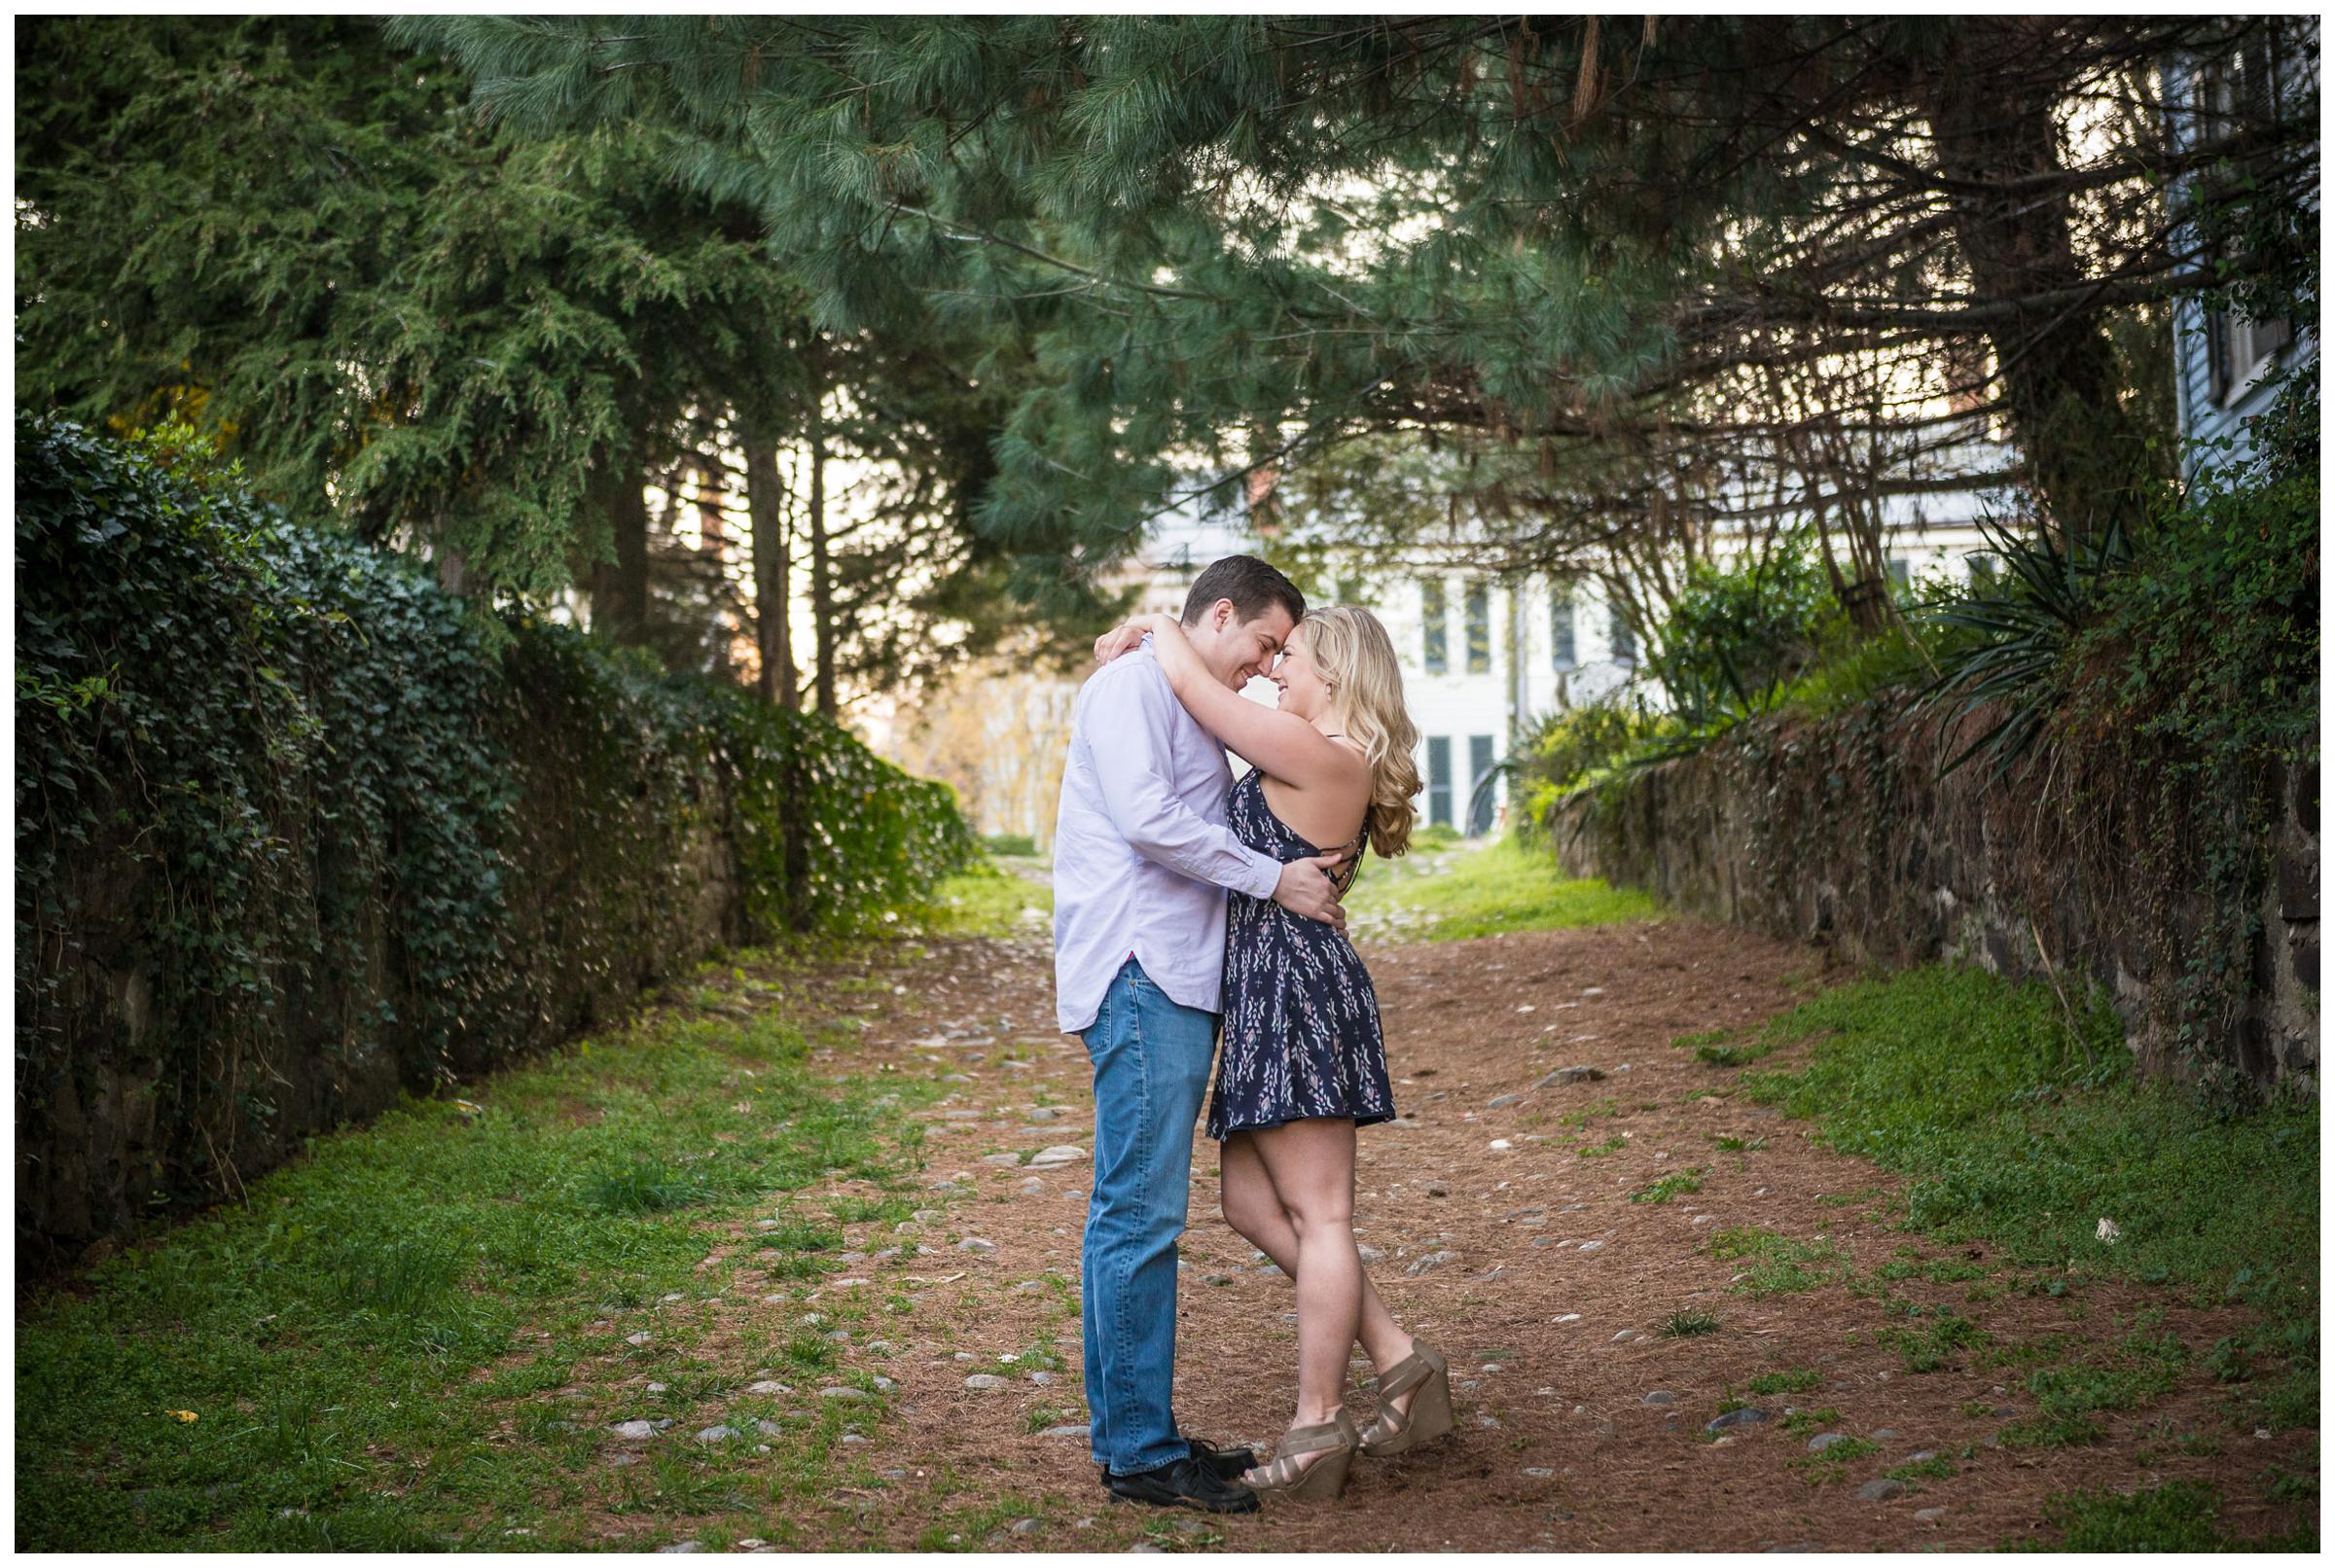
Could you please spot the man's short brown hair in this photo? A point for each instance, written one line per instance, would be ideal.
(1250, 584)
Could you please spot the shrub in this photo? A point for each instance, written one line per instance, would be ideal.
(1738, 634)
(1572, 747)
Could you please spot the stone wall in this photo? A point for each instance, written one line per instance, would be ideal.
(1837, 832)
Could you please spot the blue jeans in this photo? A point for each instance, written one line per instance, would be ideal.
(1151, 1060)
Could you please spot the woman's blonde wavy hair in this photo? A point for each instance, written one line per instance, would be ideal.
(1356, 660)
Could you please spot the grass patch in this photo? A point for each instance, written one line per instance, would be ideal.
(1909, 1264)
(356, 1340)
(1778, 1264)
(1934, 1345)
(971, 1529)
(2062, 1429)
(1808, 1423)
(1669, 1187)
(2022, 1133)
(1599, 1151)
(2283, 1485)
(986, 900)
(2126, 1375)
(1684, 1324)
(1799, 1380)
(2177, 1516)
(1827, 1463)
(1481, 890)
(1937, 1468)
(1730, 1144)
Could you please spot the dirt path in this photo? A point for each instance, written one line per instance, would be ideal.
(1582, 1423)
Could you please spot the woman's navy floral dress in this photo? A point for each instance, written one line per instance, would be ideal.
(1301, 1022)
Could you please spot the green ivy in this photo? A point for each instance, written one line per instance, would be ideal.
(2199, 681)
(293, 830)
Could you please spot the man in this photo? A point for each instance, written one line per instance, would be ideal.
(1142, 859)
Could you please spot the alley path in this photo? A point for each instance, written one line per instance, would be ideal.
(1519, 1216)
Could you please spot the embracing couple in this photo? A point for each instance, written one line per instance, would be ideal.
(1181, 896)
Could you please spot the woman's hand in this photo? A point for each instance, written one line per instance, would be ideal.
(1118, 640)
(1127, 638)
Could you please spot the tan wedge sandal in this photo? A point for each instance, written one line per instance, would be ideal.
(1429, 1413)
(1334, 1439)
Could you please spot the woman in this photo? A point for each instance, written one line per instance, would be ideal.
(1304, 1063)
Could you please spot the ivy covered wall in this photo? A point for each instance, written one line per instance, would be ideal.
(296, 833)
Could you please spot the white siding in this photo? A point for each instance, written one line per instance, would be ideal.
(2205, 419)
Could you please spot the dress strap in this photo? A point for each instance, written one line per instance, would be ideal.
(1358, 843)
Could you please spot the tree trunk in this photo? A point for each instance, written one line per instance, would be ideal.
(823, 589)
(619, 591)
(2084, 450)
(713, 546)
(453, 570)
(774, 571)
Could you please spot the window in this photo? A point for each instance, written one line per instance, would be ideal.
(2237, 349)
(1478, 792)
(1349, 590)
(1562, 649)
(1439, 779)
(2242, 91)
(1433, 612)
(1901, 572)
(1622, 634)
(1985, 569)
(1479, 629)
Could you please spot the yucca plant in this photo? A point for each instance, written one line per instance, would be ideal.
(2026, 621)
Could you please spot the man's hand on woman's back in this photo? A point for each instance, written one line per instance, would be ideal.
(1306, 889)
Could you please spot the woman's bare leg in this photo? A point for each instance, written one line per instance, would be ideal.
(1311, 1166)
(1253, 1209)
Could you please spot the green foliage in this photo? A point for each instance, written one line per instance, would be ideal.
(2202, 678)
(1737, 635)
(2214, 636)
(1604, 221)
(1573, 747)
(253, 745)
(477, 346)
(286, 232)
(2027, 626)
(334, 840)
(831, 835)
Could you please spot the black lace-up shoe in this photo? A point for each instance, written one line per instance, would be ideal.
(1182, 1483)
(1227, 1463)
